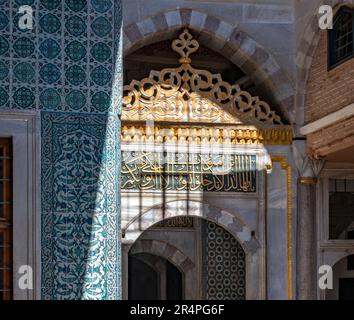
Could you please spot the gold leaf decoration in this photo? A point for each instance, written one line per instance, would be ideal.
(186, 94)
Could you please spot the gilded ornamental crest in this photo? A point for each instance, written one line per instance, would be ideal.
(186, 94)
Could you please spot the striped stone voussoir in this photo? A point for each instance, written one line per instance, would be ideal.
(223, 218)
(222, 37)
(164, 249)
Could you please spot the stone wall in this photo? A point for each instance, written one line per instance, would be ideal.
(265, 21)
(336, 137)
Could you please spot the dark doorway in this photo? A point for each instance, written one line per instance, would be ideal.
(143, 281)
(173, 283)
(346, 289)
(6, 219)
(153, 278)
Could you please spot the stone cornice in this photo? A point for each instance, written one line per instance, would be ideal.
(228, 135)
(328, 120)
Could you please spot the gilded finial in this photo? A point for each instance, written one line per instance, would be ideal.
(185, 45)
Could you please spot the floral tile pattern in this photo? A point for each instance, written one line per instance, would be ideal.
(80, 205)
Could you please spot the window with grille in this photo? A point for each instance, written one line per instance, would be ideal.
(341, 44)
(350, 259)
(341, 208)
(5, 219)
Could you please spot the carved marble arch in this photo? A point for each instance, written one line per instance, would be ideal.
(189, 95)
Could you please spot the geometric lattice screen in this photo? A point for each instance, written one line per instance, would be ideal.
(224, 266)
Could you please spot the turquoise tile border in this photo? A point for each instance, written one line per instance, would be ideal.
(80, 206)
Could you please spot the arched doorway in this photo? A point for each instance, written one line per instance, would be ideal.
(343, 280)
(184, 258)
(193, 146)
(143, 279)
(153, 278)
(230, 41)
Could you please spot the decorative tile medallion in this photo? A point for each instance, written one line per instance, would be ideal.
(24, 72)
(50, 4)
(49, 48)
(50, 99)
(50, 23)
(75, 51)
(101, 5)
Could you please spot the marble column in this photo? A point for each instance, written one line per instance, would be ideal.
(306, 244)
(306, 239)
(124, 272)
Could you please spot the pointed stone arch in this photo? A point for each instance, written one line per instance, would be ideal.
(165, 250)
(238, 229)
(224, 38)
(255, 277)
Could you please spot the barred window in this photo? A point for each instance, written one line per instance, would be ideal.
(5, 219)
(341, 209)
(341, 44)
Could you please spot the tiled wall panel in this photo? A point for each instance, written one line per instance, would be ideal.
(68, 69)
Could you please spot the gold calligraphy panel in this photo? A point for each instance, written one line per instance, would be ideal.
(176, 222)
(188, 172)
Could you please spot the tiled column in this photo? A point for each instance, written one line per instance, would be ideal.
(80, 206)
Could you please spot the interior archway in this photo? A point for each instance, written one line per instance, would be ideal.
(193, 145)
(229, 40)
(204, 262)
(342, 278)
(143, 279)
(153, 277)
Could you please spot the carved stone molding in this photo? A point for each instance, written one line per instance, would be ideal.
(234, 135)
(307, 180)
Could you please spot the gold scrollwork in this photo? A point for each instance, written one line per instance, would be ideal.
(209, 135)
(186, 94)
